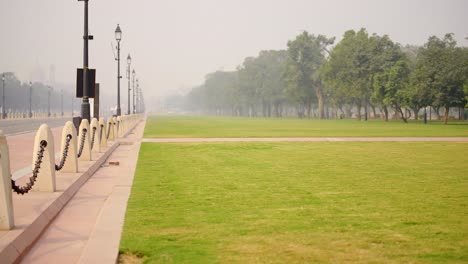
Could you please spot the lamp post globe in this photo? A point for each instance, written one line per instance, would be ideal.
(118, 33)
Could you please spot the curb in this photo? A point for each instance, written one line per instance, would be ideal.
(22, 238)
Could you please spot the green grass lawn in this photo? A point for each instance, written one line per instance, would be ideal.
(191, 126)
(371, 202)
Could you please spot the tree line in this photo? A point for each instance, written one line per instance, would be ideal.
(362, 73)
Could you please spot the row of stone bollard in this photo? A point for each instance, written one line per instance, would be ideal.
(76, 146)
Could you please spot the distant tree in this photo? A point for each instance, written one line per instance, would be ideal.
(390, 86)
(302, 74)
(440, 69)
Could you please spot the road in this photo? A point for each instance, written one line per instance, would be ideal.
(18, 126)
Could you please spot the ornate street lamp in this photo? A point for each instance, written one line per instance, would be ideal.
(118, 37)
(133, 73)
(129, 62)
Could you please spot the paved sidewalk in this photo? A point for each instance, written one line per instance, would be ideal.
(21, 148)
(316, 139)
(89, 227)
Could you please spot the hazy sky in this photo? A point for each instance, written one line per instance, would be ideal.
(174, 43)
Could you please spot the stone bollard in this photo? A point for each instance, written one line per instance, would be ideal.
(46, 177)
(115, 125)
(6, 202)
(110, 129)
(119, 127)
(71, 163)
(104, 128)
(96, 145)
(86, 144)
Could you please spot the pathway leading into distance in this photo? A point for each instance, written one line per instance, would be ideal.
(311, 139)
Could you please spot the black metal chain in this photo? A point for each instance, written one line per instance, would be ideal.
(25, 189)
(80, 151)
(92, 137)
(64, 153)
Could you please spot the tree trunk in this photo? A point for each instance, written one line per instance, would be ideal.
(321, 112)
(385, 109)
(359, 111)
(402, 114)
(373, 110)
(446, 114)
(365, 110)
(416, 112)
(436, 112)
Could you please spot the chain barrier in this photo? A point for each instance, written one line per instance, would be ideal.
(92, 137)
(80, 151)
(25, 189)
(64, 153)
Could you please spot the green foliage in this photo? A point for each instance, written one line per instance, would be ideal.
(302, 75)
(440, 69)
(299, 203)
(362, 70)
(204, 127)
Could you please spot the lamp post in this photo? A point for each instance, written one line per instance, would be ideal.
(118, 37)
(3, 96)
(129, 62)
(48, 100)
(30, 99)
(137, 96)
(85, 107)
(133, 91)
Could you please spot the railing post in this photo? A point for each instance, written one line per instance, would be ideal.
(6, 203)
(86, 152)
(71, 164)
(46, 176)
(96, 147)
(114, 127)
(110, 128)
(104, 128)
(119, 127)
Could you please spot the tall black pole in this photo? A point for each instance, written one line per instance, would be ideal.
(30, 99)
(128, 77)
(119, 111)
(85, 107)
(133, 92)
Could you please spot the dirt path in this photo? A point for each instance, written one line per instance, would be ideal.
(315, 139)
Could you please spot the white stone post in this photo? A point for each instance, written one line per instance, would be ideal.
(71, 163)
(86, 153)
(110, 128)
(96, 147)
(119, 127)
(6, 204)
(46, 177)
(104, 128)
(114, 126)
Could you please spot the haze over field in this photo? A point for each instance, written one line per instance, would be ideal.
(174, 44)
